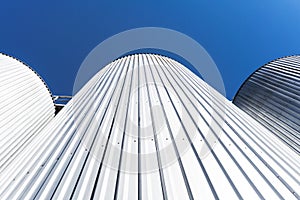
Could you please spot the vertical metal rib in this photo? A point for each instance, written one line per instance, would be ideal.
(155, 131)
(104, 154)
(139, 135)
(171, 135)
(123, 138)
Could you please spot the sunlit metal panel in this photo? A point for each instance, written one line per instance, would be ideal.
(145, 127)
(26, 106)
(272, 96)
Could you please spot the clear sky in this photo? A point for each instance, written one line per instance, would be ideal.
(54, 37)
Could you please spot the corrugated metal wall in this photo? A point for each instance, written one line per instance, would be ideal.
(145, 127)
(272, 96)
(26, 106)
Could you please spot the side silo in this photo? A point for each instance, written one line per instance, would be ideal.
(271, 95)
(26, 107)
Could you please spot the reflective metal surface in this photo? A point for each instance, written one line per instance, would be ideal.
(145, 127)
(26, 106)
(271, 95)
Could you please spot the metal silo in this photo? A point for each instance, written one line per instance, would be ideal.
(26, 107)
(271, 95)
(145, 127)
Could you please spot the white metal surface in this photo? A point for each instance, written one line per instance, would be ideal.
(272, 96)
(145, 127)
(26, 106)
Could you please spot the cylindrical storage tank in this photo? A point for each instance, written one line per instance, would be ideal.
(145, 127)
(26, 107)
(271, 95)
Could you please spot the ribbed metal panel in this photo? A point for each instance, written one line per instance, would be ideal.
(139, 129)
(26, 106)
(272, 96)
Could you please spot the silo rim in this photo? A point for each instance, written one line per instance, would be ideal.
(44, 82)
(250, 76)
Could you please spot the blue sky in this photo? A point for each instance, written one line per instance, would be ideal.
(54, 37)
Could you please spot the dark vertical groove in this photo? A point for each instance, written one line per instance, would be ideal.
(139, 136)
(110, 131)
(161, 173)
(124, 134)
(189, 191)
(100, 167)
